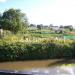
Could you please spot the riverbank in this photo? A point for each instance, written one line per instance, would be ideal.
(24, 65)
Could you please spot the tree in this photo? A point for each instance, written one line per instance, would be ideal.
(0, 16)
(61, 26)
(70, 27)
(32, 25)
(40, 26)
(14, 20)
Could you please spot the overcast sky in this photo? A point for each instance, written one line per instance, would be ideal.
(57, 12)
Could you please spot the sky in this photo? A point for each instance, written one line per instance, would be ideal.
(56, 12)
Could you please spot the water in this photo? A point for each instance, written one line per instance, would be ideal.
(57, 70)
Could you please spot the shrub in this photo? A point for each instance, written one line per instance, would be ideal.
(33, 51)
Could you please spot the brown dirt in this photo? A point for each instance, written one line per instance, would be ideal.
(23, 65)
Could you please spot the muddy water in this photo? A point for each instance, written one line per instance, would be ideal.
(45, 71)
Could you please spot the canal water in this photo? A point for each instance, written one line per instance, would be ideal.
(57, 70)
(64, 70)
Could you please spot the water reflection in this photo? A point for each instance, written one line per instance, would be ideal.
(57, 70)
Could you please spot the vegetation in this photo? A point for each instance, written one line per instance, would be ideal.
(20, 43)
(13, 20)
(33, 51)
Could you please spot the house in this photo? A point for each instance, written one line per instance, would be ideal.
(45, 27)
(41, 26)
(54, 28)
(57, 29)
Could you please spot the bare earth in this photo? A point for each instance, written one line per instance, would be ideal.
(24, 65)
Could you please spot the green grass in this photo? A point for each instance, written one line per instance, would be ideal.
(71, 65)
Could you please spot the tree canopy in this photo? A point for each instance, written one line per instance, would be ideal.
(13, 20)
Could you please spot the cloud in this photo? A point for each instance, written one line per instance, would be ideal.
(2, 1)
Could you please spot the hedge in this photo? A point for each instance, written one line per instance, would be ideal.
(22, 51)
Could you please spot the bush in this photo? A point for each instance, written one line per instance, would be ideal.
(33, 51)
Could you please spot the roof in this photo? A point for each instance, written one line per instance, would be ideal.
(72, 33)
